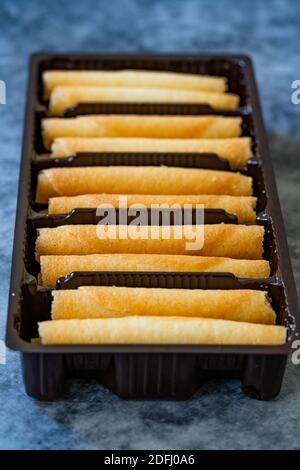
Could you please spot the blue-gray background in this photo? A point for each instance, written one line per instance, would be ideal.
(93, 418)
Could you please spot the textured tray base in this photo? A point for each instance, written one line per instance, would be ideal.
(152, 376)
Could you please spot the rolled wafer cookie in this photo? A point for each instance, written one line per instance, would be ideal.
(132, 78)
(242, 206)
(63, 97)
(236, 150)
(55, 266)
(150, 126)
(159, 330)
(139, 180)
(106, 301)
(225, 240)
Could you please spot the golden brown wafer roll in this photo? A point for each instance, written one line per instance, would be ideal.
(242, 206)
(225, 240)
(236, 150)
(156, 330)
(106, 301)
(139, 180)
(161, 127)
(55, 266)
(132, 78)
(63, 97)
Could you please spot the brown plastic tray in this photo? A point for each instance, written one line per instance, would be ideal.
(148, 371)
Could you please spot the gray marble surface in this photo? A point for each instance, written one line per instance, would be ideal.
(90, 417)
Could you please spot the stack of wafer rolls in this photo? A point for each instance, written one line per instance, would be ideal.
(65, 89)
(137, 315)
(133, 133)
(123, 315)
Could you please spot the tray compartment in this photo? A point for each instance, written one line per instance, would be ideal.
(143, 375)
